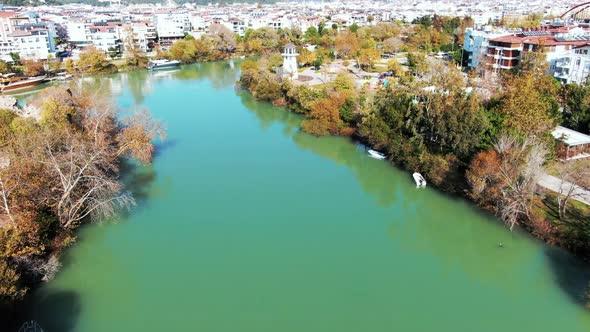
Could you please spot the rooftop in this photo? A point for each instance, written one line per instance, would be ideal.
(570, 137)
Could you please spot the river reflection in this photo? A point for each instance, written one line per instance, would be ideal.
(455, 240)
(247, 223)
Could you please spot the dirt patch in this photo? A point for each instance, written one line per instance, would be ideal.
(304, 78)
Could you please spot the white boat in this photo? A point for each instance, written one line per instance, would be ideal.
(163, 64)
(420, 181)
(376, 154)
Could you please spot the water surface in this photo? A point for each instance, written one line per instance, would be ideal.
(244, 223)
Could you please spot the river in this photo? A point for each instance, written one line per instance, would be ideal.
(244, 223)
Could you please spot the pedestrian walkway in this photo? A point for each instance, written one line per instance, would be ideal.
(552, 183)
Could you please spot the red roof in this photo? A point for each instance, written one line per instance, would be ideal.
(508, 39)
(5, 14)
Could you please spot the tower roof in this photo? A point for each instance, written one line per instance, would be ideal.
(290, 45)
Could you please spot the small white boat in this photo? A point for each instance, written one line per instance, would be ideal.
(420, 181)
(163, 64)
(376, 154)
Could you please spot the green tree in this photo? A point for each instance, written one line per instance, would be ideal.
(312, 35)
(15, 56)
(5, 68)
(93, 61)
(576, 107)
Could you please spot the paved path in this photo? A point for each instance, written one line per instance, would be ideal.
(552, 183)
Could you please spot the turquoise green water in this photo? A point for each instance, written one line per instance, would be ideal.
(246, 224)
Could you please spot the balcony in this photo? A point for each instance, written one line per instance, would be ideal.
(501, 48)
(561, 74)
(503, 57)
(562, 64)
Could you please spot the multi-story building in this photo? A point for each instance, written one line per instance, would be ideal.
(503, 52)
(171, 26)
(144, 35)
(506, 52)
(22, 33)
(105, 37)
(78, 31)
(30, 44)
(574, 65)
(476, 44)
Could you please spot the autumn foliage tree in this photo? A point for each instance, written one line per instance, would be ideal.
(529, 103)
(33, 68)
(347, 44)
(134, 55)
(506, 176)
(94, 61)
(324, 116)
(63, 171)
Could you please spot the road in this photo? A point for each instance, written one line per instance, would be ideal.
(552, 183)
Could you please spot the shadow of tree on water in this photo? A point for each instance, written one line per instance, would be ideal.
(138, 178)
(162, 146)
(572, 275)
(54, 311)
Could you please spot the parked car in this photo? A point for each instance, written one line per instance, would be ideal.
(385, 74)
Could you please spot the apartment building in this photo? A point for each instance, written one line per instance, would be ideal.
(171, 26)
(476, 44)
(144, 35)
(22, 33)
(574, 65)
(506, 52)
(105, 36)
(503, 52)
(78, 31)
(30, 44)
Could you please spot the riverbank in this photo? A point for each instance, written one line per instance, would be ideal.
(62, 171)
(256, 217)
(455, 149)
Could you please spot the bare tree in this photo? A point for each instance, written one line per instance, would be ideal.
(574, 182)
(98, 113)
(6, 189)
(222, 37)
(521, 165)
(85, 183)
(44, 268)
(133, 52)
(392, 44)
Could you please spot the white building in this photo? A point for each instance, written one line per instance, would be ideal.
(237, 26)
(23, 34)
(105, 38)
(198, 24)
(573, 66)
(144, 35)
(171, 27)
(78, 32)
(31, 45)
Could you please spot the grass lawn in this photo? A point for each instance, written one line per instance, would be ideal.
(576, 211)
(555, 167)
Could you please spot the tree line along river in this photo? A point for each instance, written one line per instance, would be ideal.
(245, 223)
